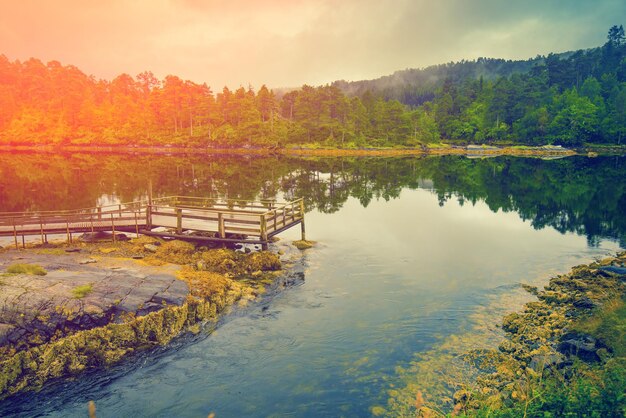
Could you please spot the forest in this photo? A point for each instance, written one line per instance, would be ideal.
(566, 99)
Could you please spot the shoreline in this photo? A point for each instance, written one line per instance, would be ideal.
(95, 304)
(564, 351)
(472, 151)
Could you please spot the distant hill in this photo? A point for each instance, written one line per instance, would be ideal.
(414, 87)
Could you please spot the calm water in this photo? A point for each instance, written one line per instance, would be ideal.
(409, 250)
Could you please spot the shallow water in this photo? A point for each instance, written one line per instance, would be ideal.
(404, 261)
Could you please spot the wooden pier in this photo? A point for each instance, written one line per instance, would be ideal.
(180, 217)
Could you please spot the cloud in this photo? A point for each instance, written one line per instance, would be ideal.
(291, 42)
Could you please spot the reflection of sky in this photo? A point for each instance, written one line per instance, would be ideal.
(414, 231)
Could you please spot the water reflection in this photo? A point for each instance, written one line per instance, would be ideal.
(411, 253)
(581, 195)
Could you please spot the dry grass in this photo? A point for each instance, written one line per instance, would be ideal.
(34, 269)
(80, 292)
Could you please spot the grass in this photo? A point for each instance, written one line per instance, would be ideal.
(587, 391)
(80, 292)
(50, 251)
(34, 269)
(582, 390)
(437, 145)
(608, 324)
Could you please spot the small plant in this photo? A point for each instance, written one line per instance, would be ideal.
(80, 292)
(27, 269)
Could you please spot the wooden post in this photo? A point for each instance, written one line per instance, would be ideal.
(136, 225)
(150, 192)
(99, 212)
(220, 225)
(23, 242)
(120, 210)
(179, 221)
(302, 227)
(263, 232)
(149, 216)
(69, 236)
(43, 241)
(91, 220)
(14, 233)
(113, 226)
(275, 212)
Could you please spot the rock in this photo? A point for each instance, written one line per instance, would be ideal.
(581, 345)
(72, 250)
(87, 261)
(540, 362)
(151, 247)
(614, 270)
(584, 303)
(5, 331)
(530, 289)
(303, 245)
(122, 237)
(149, 307)
(96, 236)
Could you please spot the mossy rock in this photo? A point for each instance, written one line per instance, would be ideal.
(303, 244)
(176, 252)
(261, 261)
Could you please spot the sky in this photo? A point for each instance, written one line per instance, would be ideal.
(287, 43)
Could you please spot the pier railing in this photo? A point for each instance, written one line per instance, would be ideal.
(262, 219)
(183, 217)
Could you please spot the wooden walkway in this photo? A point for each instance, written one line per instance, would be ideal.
(180, 217)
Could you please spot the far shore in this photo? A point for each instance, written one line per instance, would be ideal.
(436, 149)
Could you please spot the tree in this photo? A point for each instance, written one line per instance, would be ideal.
(616, 35)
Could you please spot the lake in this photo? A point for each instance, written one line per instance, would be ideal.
(417, 260)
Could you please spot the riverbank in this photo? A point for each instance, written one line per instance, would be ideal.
(68, 309)
(563, 354)
(434, 149)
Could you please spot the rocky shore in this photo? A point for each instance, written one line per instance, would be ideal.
(66, 309)
(563, 352)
